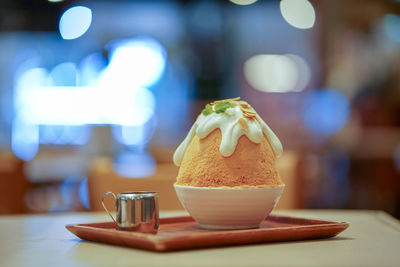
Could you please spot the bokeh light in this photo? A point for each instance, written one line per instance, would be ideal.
(64, 74)
(243, 2)
(74, 22)
(325, 111)
(298, 13)
(38, 103)
(24, 139)
(83, 193)
(132, 107)
(64, 134)
(134, 165)
(138, 62)
(25, 134)
(271, 73)
(69, 105)
(304, 76)
(89, 69)
(277, 73)
(138, 135)
(391, 26)
(26, 82)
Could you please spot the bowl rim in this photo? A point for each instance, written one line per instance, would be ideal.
(229, 188)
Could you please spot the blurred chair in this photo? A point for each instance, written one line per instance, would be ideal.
(13, 184)
(102, 178)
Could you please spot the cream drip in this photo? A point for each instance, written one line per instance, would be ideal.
(231, 131)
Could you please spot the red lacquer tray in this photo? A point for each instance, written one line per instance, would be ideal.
(180, 233)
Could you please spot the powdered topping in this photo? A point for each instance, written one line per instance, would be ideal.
(234, 118)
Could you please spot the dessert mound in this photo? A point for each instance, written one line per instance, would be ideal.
(251, 165)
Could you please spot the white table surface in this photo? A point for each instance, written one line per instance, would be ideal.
(373, 239)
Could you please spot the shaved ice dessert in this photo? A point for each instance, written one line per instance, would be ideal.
(228, 156)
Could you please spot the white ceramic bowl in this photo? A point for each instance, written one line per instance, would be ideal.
(228, 208)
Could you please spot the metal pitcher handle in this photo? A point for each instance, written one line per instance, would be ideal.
(104, 206)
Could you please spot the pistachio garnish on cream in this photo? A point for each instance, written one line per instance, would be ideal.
(234, 118)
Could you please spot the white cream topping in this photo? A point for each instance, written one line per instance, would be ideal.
(231, 131)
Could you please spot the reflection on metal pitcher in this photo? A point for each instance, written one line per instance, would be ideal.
(136, 211)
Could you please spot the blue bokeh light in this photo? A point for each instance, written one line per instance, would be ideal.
(83, 192)
(24, 133)
(138, 135)
(134, 165)
(64, 74)
(75, 22)
(325, 111)
(24, 139)
(64, 134)
(391, 26)
(90, 67)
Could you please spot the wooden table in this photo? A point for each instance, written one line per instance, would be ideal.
(373, 239)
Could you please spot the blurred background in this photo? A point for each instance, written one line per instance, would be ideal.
(96, 95)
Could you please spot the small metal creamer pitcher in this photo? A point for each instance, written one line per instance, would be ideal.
(136, 211)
